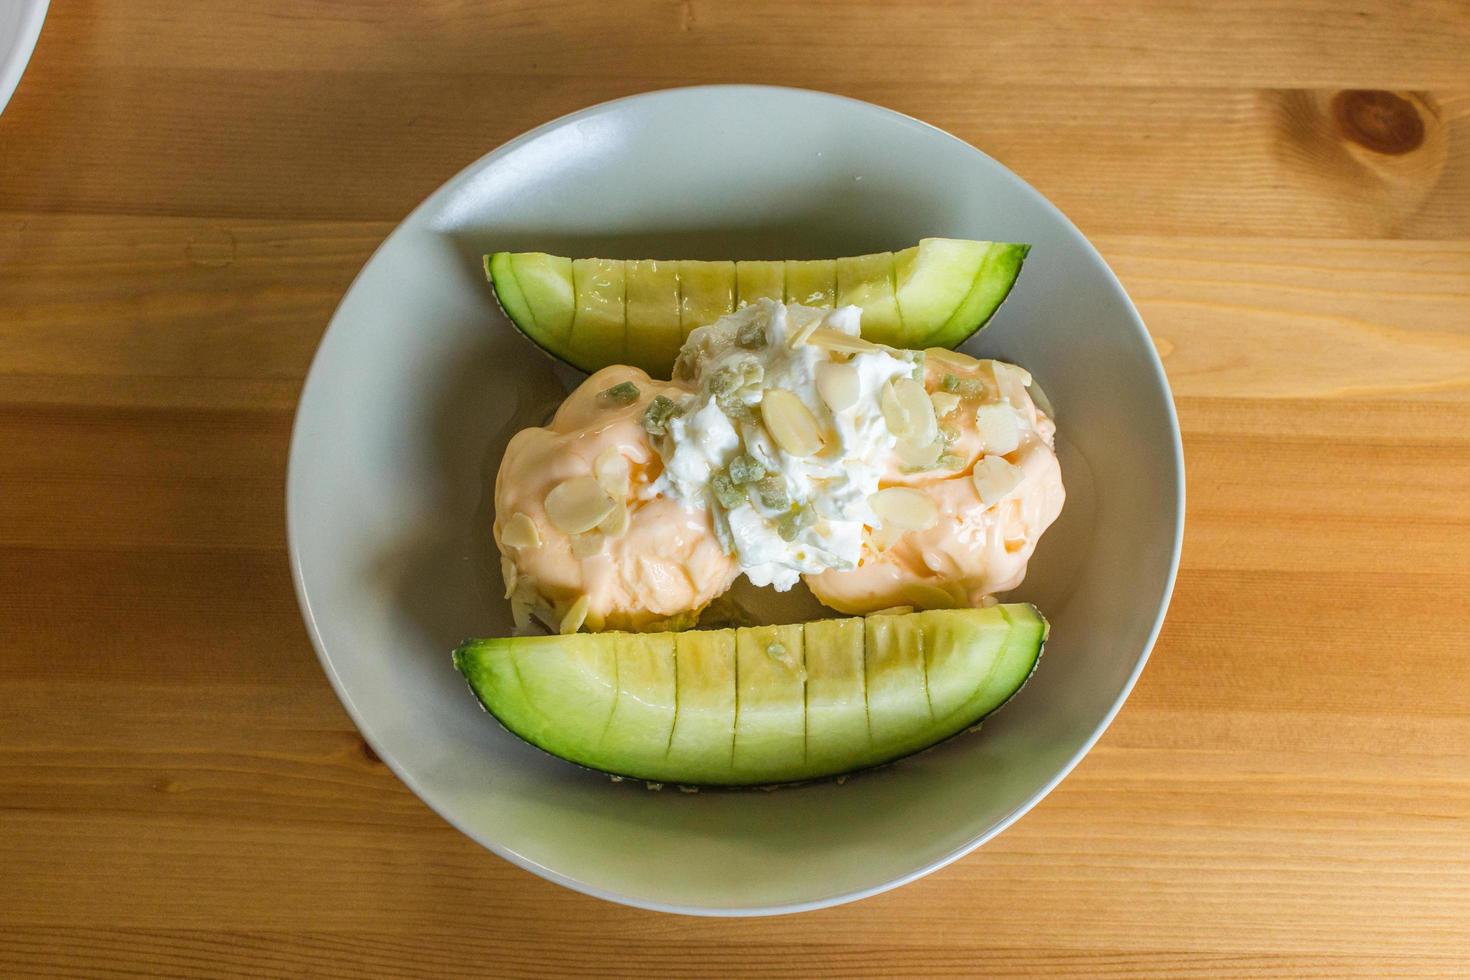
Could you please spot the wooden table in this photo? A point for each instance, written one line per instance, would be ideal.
(187, 188)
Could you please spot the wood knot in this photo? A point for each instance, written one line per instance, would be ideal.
(1379, 121)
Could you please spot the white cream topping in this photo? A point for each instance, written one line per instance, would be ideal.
(806, 513)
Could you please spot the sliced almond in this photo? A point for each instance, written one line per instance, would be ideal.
(999, 429)
(918, 457)
(520, 532)
(587, 545)
(520, 614)
(893, 411)
(804, 332)
(1014, 372)
(611, 470)
(574, 617)
(995, 477)
(919, 409)
(892, 611)
(838, 385)
(615, 525)
(508, 575)
(944, 402)
(949, 358)
(577, 505)
(839, 342)
(905, 508)
(791, 423)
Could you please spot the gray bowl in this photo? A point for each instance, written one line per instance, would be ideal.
(420, 381)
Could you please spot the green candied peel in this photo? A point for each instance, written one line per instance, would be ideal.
(794, 521)
(949, 461)
(771, 492)
(658, 413)
(751, 336)
(726, 492)
(964, 387)
(746, 469)
(623, 393)
(733, 406)
(725, 380)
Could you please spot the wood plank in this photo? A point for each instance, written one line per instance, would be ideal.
(96, 952)
(370, 145)
(1306, 43)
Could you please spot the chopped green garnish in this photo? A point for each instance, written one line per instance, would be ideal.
(771, 491)
(948, 433)
(658, 413)
(724, 380)
(746, 469)
(732, 405)
(624, 393)
(964, 387)
(726, 492)
(949, 461)
(793, 522)
(751, 336)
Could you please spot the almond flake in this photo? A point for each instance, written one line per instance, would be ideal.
(838, 385)
(587, 545)
(615, 524)
(995, 477)
(520, 614)
(577, 505)
(919, 457)
(508, 575)
(904, 508)
(520, 532)
(575, 616)
(999, 430)
(611, 470)
(950, 359)
(944, 402)
(839, 342)
(803, 333)
(919, 411)
(791, 423)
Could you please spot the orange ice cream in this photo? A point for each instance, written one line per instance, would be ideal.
(995, 488)
(644, 562)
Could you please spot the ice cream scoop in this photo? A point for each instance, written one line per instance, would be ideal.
(993, 486)
(583, 540)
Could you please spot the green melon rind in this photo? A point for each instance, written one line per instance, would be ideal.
(490, 668)
(993, 283)
(501, 274)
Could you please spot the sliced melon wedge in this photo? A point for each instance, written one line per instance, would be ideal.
(595, 312)
(757, 705)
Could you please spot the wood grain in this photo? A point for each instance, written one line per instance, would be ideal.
(187, 188)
